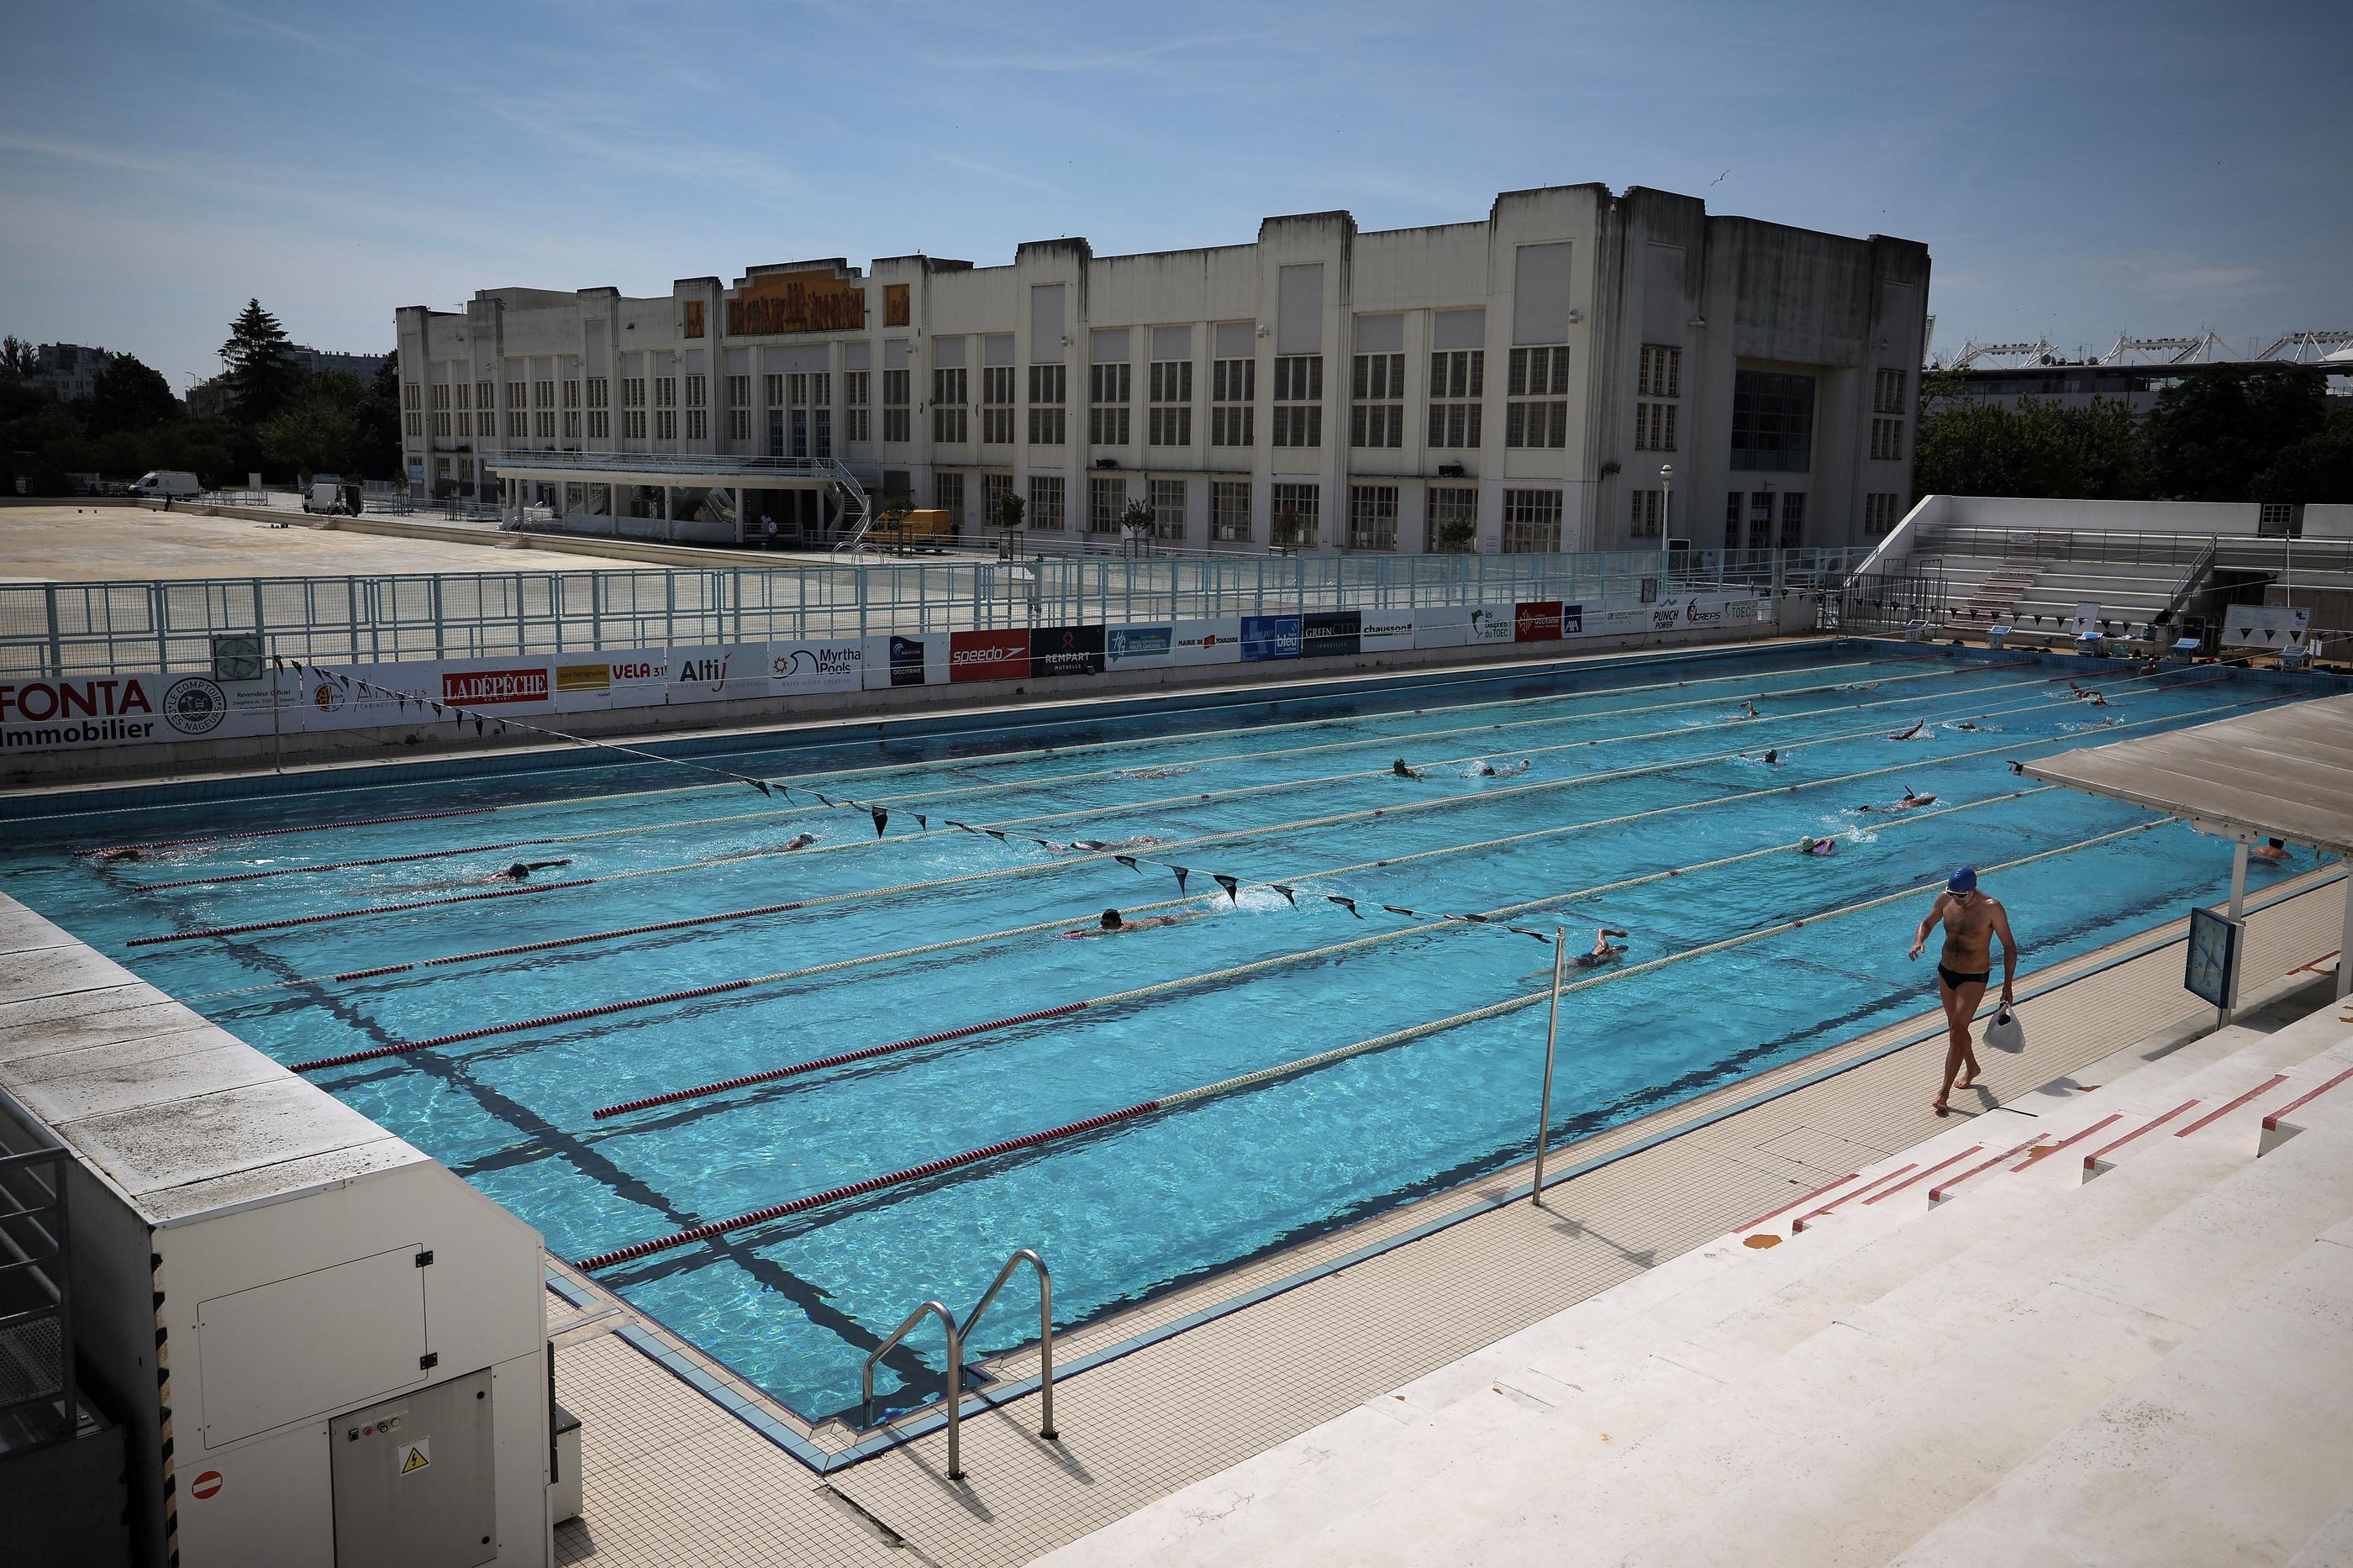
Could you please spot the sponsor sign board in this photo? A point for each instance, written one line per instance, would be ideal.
(1129, 647)
(1209, 642)
(502, 684)
(718, 672)
(584, 683)
(1440, 625)
(1327, 634)
(988, 656)
(1537, 620)
(1270, 636)
(1491, 623)
(79, 713)
(906, 661)
(1066, 650)
(796, 668)
(1383, 629)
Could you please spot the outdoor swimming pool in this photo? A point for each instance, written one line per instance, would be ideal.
(1647, 807)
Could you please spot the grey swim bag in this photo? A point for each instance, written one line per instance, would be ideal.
(2003, 1031)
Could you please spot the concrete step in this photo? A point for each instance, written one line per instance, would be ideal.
(2238, 1447)
(1913, 1450)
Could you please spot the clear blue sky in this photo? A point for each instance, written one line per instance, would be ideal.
(2077, 169)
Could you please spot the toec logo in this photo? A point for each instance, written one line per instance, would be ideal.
(194, 705)
(326, 696)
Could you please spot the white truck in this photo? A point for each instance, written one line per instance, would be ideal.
(335, 497)
(166, 484)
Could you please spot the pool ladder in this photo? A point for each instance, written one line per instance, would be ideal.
(958, 1333)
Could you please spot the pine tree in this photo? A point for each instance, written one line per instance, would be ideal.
(258, 376)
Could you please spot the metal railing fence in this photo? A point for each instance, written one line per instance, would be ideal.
(99, 628)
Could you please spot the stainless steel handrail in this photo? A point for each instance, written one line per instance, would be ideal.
(955, 1376)
(1045, 1330)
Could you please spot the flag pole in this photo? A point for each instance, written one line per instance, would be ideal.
(1552, 1038)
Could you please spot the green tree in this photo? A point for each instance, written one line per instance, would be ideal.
(257, 374)
(128, 395)
(1973, 447)
(318, 430)
(2316, 470)
(2112, 456)
(2219, 429)
(1009, 510)
(375, 452)
(19, 360)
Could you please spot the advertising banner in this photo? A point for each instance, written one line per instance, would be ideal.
(373, 694)
(1491, 623)
(1146, 648)
(1066, 650)
(718, 672)
(795, 669)
(1209, 642)
(1622, 620)
(1327, 634)
(2265, 626)
(589, 683)
(1537, 620)
(907, 656)
(523, 684)
(86, 712)
(1383, 629)
(988, 656)
(1442, 625)
(1270, 636)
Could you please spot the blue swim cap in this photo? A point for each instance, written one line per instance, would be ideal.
(1964, 880)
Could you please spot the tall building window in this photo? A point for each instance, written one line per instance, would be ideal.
(1050, 388)
(1298, 515)
(517, 423)
(1376, 409)
(739, 408)
(1108, 387)
(542, 424)
(410, 396)
(856, 414)
(1299, 401)
(1170, 421)
(739, 392)
(898, 419)
(1654, 427)
(1772, 421)
(1532, 522)
(1458, 379)
(772, 389)
(994, 488)
(1229, 512)
(698, 425)
(997, 405)
(486, 397)
(1046, 502)
(1733, 500)
(949, 416)
(1886, 440)
(600, 392)
(1888, 392)
(948, 495)
(633, 424)
(1760, 520)
(1168, 508)
(543, 394)
(1453, 520)
(1372, 508)
(1879, 512)
(665, 424)
(1233, 398)
(1647, 509)
(414, 423)
(1537, 414)
(1662, 372)
(440, 409)
(1106, 499)
(1793, 519)
(696, 388)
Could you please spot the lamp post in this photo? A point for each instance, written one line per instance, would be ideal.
(1666, 516)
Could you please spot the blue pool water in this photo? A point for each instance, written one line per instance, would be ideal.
(1637, 768)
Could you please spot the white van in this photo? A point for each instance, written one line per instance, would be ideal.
(333, 496)
(166, 484)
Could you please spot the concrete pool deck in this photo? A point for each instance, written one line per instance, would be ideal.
(673, 1476)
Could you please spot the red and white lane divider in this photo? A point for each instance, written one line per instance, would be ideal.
(280, 832)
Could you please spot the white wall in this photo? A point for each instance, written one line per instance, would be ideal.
(2134, 516)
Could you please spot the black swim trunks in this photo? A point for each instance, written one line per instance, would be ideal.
(1955, 979)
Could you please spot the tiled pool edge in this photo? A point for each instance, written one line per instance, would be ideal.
(676, 1358)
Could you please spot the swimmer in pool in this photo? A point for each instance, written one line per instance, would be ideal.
(1910, 802)
(1156, 773)
(2097, 701)
(1748, 711)
(1810, 845)
(801, 841)
(2274, 850)
(1104, 846)
(1604, 950)
(521, 869)
(1113, 923)
(123, 854)
(1917, 725)
(1487, 770)
(1771, 759)
(1403, 772)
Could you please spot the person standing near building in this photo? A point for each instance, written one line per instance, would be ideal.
(1971, 919)
(767, 532)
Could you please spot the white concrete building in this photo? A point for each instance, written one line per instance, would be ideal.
(1515, 383)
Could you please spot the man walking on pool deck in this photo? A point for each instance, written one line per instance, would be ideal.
(1971, 919)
